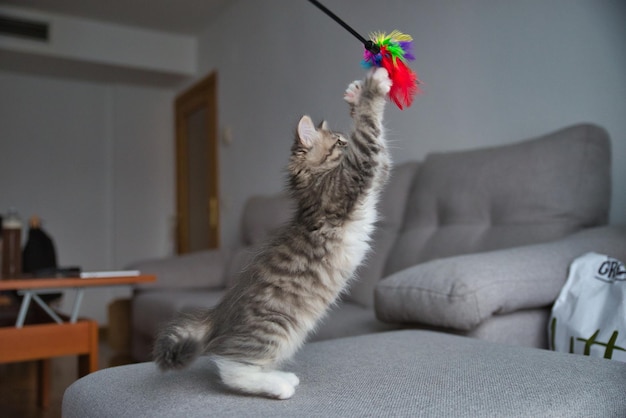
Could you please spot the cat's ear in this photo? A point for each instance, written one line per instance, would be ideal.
(307, 134)
(324, 126)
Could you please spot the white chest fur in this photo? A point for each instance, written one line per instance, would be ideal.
(356, 236)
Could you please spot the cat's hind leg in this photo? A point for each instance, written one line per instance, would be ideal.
(255, 380)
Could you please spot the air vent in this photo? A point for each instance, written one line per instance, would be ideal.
(23, 28)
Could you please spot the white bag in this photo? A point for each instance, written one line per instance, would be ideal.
(589, 316)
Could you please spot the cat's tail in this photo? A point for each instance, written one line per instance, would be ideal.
(183, 340)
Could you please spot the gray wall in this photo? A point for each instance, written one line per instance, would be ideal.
(494, 72)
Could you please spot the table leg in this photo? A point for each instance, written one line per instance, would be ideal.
(21, 317)
(43, 382)
(88, 363)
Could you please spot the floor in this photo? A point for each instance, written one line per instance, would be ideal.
(17, 383)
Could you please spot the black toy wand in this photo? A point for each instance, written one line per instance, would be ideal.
(368, 44)
(390, 52)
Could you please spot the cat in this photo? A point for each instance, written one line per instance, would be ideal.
(265, 317)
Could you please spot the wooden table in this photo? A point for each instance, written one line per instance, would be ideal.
(66, 336)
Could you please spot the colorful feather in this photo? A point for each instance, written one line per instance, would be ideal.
(395, 51)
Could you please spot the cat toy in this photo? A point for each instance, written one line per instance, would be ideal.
(390, 51)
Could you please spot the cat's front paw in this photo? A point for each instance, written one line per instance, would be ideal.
(380, 77)
(291, 378)
(353, 93)
(281, 390)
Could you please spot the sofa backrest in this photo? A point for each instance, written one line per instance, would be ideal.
(533, 191)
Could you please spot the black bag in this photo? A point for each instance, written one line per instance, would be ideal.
(39, 257)
(39, 254)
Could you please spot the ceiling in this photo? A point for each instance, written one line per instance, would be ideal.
(178, 16)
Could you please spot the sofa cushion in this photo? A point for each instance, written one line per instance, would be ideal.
(461, 292)
(347, 319)
(532, 191)
(521, 328)
(391, 374)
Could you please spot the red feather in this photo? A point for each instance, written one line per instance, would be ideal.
(404, 81)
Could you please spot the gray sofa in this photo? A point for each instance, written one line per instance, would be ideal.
(475, 243)
(407, 373)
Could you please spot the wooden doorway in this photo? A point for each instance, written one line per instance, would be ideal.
(197, 167)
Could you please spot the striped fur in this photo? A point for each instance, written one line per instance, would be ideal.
(265, 317)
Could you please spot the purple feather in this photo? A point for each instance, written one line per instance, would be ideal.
(406, 47)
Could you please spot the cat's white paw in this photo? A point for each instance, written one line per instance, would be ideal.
(291, 378)
(281, 390)
(353, 92)
(381, 78)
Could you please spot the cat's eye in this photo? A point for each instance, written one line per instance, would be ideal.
(341, 141)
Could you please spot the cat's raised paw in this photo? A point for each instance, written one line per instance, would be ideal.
(381, 78)
(353, 92)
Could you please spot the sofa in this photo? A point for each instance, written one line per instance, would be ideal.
(407, 373)
(470, 244)
(475, 243)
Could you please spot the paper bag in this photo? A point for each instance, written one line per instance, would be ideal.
(589, 316)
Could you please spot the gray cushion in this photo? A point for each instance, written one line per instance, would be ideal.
(400, 373)
(527, 328)
(347, 319)
(461, 292)
(528, 192)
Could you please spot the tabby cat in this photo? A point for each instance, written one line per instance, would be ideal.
(265, 317)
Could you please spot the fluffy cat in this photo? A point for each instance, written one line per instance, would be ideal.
(265, 317)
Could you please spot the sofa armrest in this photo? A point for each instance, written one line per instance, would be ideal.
(203, 269)
(461, 292)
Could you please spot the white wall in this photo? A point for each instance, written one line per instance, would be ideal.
(143, 179)
(95, 162)
(494, 72)
(81, 40)
(54, 162)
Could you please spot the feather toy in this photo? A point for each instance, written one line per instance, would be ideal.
(394, 52)
(390, 52)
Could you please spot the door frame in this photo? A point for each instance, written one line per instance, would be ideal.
(201, 94)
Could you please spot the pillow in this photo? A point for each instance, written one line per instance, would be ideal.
(461, 292)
